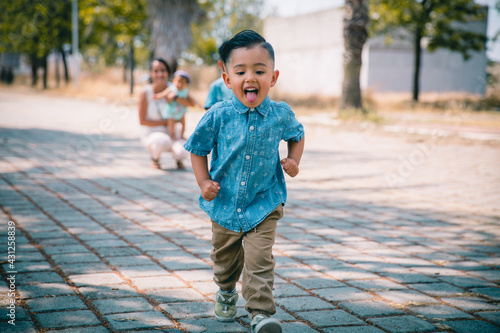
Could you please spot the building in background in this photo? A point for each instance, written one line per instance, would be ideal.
(309, 51)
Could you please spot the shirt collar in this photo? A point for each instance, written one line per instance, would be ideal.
(263, 108)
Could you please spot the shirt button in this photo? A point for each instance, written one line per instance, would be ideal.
(252, 109)
(239, 210)
(243, 183)
(247, 157)
(251, 128)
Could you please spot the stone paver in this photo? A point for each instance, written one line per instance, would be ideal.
(370, 308)
(330, 318)
(403, 324)
(56, 304)
(67, 319)
(134, 320)
(382, 232)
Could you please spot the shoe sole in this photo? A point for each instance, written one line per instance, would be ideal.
(269, 325)
(224, 319)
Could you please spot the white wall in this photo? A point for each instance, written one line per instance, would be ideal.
(308, 50)
(309, 54)
(391, 67)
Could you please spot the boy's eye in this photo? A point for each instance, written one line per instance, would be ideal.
(240, 73)
(260, 72)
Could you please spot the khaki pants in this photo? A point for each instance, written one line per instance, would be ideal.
(250, 252)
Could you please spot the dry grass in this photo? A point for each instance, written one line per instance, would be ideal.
(451, 109)
(108, 84)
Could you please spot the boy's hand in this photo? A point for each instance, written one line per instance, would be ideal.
(209, 189)
(290, 166)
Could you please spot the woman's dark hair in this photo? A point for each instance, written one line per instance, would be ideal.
(246, 39)
(163, 61)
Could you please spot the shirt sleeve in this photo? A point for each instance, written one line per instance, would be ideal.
(202, 141)
(211, 98)
(294, 130)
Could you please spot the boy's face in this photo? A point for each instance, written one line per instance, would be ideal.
(180, 82)
(250, 74)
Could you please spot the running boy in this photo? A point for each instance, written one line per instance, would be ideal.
(244, 191)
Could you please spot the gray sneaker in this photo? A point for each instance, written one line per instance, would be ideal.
(262, 324)
(225, 305)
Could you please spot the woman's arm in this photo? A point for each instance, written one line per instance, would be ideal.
(208, 187)
(183, 101)
(162, 94)
(143, 111)
(194, 102)
(187, 102)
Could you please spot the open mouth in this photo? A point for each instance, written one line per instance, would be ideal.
(251, 94)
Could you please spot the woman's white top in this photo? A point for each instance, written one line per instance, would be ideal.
(153, 113)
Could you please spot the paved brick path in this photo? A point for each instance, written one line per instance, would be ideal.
(382, 233)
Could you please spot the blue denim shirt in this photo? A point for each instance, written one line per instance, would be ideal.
(217, 92)
(245, 159)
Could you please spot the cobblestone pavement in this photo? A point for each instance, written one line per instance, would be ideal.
(382, 232)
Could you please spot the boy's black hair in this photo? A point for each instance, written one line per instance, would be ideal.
(246, 39)
(221, 47)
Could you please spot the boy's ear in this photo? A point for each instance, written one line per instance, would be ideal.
(225, 77)
(274, 79)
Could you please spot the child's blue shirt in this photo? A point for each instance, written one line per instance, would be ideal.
(245, 159)
(217, 92)
(173, 109)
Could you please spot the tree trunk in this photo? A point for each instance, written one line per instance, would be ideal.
(58, 72)
(45, 71)
(66, 75)
(132, 65)
(34, 70)
(125, 70)
(355, 35)
(170, 26)
(416, 67)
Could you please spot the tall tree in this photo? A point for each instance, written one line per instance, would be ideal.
(34, 28)
(355, 34)
(170, 27)
(223, 19)
(109, 28)
(440, 23)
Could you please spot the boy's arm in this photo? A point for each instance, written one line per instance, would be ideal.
(291, 163)
(208, 187)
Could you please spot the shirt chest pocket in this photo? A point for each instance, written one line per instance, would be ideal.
(268, 141)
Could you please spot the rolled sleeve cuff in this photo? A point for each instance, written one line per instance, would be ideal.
(196, 151)
(298, 137)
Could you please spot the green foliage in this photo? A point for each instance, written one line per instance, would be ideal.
(107, 28)
(34, 27)
(440, 22)
(223, 19)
